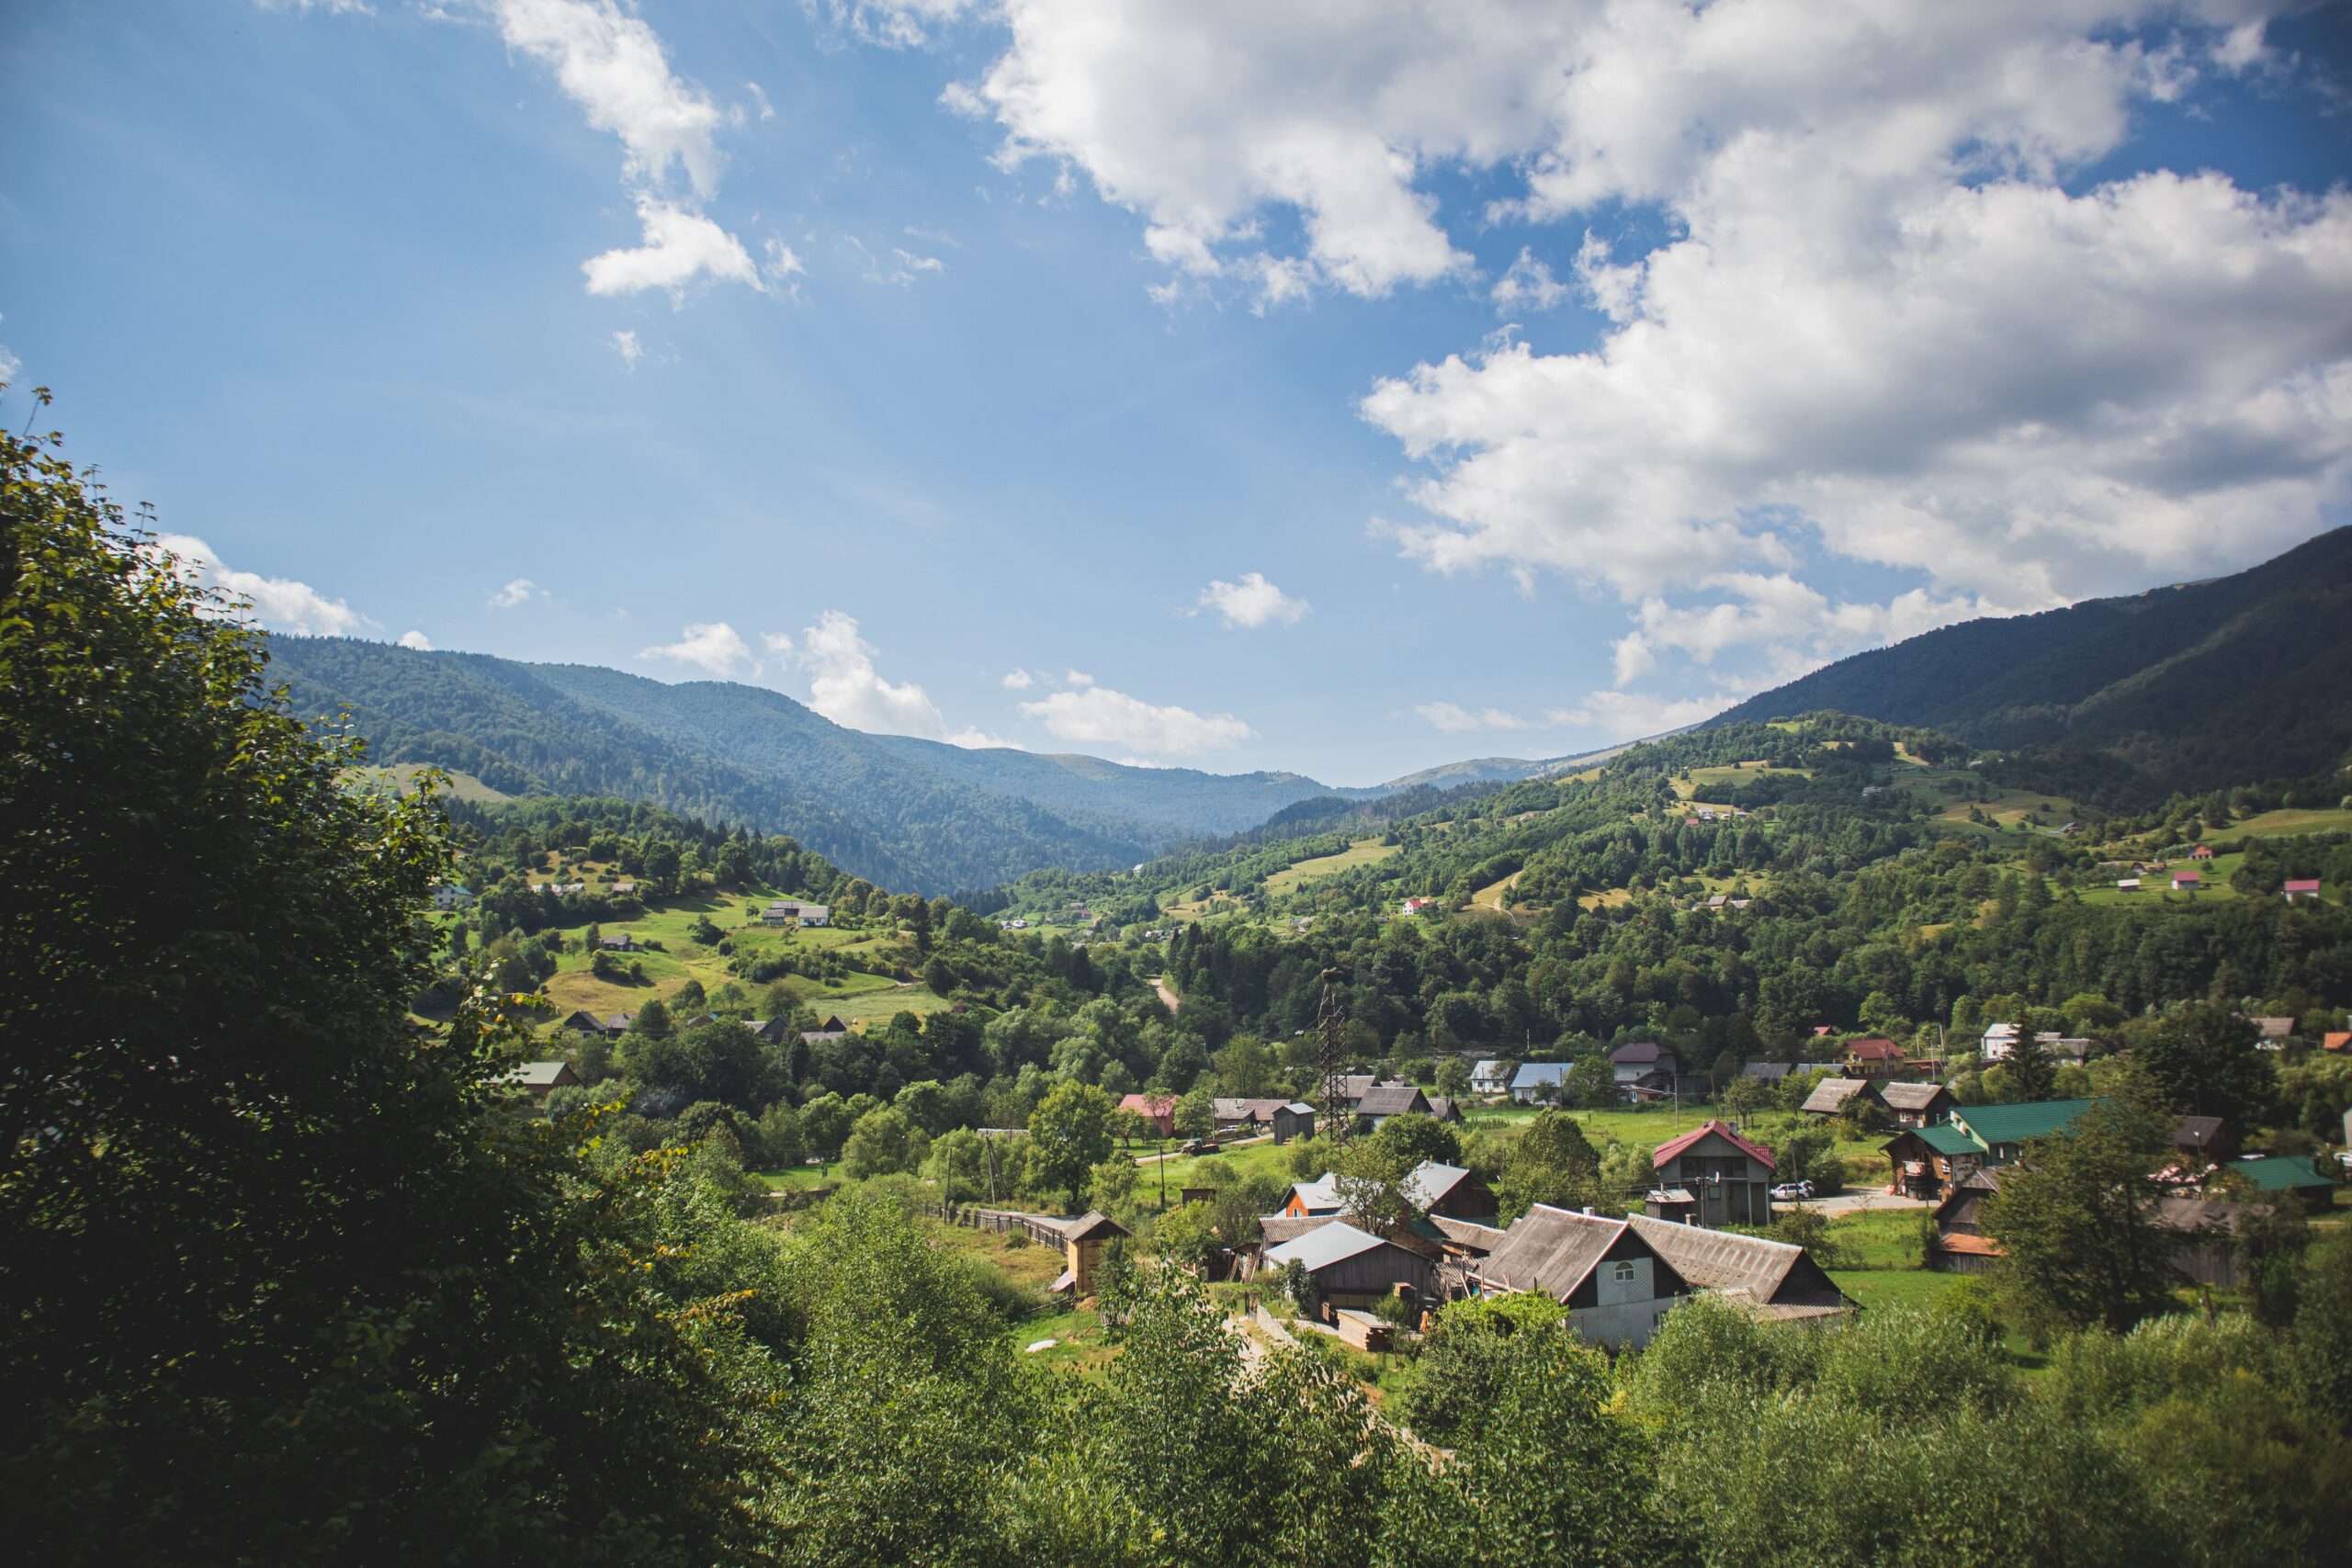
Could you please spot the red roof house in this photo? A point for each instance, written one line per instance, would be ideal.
(2301, 887)
(2202, 852)
(2336, 1040)
(1160, 1109)
(1728, 1178)
(2187, 880)
(1874, 1057)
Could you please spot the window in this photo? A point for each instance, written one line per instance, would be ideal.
(1625, 1273)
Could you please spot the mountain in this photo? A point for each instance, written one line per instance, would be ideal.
(908, 814)
(2183, 688)
(1493, 770)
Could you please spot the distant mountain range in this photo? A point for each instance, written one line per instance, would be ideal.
(2181, 688)
(905, 814)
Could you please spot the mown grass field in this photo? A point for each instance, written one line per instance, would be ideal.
(1703, 780)
(2282, 825)
(401, 776)
(1363, 851)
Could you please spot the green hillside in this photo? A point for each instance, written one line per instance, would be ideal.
(2187, 687)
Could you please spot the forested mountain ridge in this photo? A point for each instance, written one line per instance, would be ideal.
(2184, 688)
(729, 753)
(1180, 800)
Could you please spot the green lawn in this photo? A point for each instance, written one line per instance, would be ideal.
(1363, 851)
(798, 1177)
(1190, 1170)
(1894, 1287)
(401, 776)
(1880, 1238)
(2283, 825)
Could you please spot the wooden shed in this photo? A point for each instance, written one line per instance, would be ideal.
(1353, 1267)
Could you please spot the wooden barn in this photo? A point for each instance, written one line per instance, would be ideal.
(1353, 1267)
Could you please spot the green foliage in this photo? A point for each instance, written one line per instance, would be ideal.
(1551, 1163)
(2077, 1216)
(883, 1143)
(1068, 1136)
(1412, 1139)
(2205, 1060)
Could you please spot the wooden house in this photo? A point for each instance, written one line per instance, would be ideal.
(1929, 1162)
(1616, 1288)
(1916, 1104)
(1353, 1267)
(1631, 1062)
(1537, 1081)
(1363, 1331)
(1774, 1278)
(1731, 1176)
(1294, 1119)
(1829, 1096)
(543, 1078)
(1381, 1101)
(1452, 1191)
(2199, 1141)
(1489, 1076)
(1874, 1056)
(1160, 1109)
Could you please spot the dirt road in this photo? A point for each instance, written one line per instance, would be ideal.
(1166, 996)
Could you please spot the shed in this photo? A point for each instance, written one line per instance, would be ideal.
(1450, 1189)
(1363, 1330)
(1353, 1267)
(1295, 1119)
(1381, 1101)
(1830, 1095)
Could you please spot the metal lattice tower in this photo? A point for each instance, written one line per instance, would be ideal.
(1332, 1057)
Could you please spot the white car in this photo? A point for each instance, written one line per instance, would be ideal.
(1792, 1191)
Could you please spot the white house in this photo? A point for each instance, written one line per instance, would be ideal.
(1610, 1279)
(791, 911)
(1527, 1086)
(1488, 1078)
(1418, 906)
(451, 896)
(2000, 1039)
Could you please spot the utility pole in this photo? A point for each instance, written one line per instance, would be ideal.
(1331, 1047)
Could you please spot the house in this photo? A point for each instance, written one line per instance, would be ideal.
(1294, 1119)
(1444, 1110)
(624, 888)
(1160, 1109)
(2272, 1033)
(1675, 1205)
(1608, 1275)
(1534, 1081)
(2200, 1141)
(1353, 1267)
(621, 944)
(1438, 1189)
(1770, 1072)
(2202, 852)
(2284, 1175)
(1418, 907)
(542, 1078)
(789, 912)
(2000, 1039)
(452, 896)
(1384, 1100)
(1874, 1056)
(1488, 1076)
(1774, 1278)
(831, 1029)
(2336, 1040)
(1916, 1104)
(1234, 1113)
(1829, 1096)
(2127, 884)
(1308, 1199)
(2202, 1228)
(1731, 1178)
(2185, 881)
(1632, 1062)
(589, 1026)
(1929, 1162)
(2301, 887)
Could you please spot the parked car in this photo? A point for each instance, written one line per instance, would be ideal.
(1792, 1191)
(1202, 1147)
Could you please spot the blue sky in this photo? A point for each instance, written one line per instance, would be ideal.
(1346, 390)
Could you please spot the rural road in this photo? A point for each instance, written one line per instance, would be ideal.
(1856, 1203)
(1166, 995)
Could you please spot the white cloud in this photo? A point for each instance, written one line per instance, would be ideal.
(1076, 678)
(1017, 681)
(1452, 718)
(1528, 284)
(760, 98)
(625, 344)
(1633, 715)
(845, 687)
(10, 364)
(1253, 601)
(777, 643)
(680, 245)
(902, 269)
(279, 602)
(713, 646)
(1093, 715)
(894, 24)
(519, 592)
(416, 640)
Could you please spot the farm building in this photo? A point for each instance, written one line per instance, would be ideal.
(1295, 1119)
(1731, 1178)
(2203, 1228)
(1384, 1100)
(588, 1025)
(1776, 1278)
(2282, 1174)
(831, 1029)
(1450, 1190)
(1829, 1096)
(2202, 852)
(1160, 1109)
(2186, 881)
(1874, 1057)
(1085, 1240)
(1770, 1072)
(1444, 1110)
(1235, 1113)
(1353, 1267)
(2301, 887)
(2199, 1141)
(1605, 1272)
(542, 1078)
(1916, 1104)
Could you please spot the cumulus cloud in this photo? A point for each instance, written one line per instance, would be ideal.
(279, 602)
(610, 62)
(521, 591)
(712, 645)
(1633, 715)
(893, 24)
(1528, 284)
(777, 643)
(845, 685)
(625, 344)
(1017, 681)
(1097, 716)
(417, 640)
(1253, 601)
(1452, 718)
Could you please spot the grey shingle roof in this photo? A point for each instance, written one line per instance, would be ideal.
(1550, 1250)
(1324, 1246)
(1831, 1094)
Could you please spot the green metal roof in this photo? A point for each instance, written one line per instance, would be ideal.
(2279, 1173)
(1991, 1125)
(1946, 1139)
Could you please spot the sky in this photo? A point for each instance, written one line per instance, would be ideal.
(1340, 387)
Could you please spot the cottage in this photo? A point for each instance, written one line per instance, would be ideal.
(769, 1030)
(1450, 1190)
(2200, 1141)
(2127, 884)
(2202, 1229)
(1829, 1096)
(2202, 852)
(1294, 1119)
(589, 1026)
(1413, 907)
(1874, 1056)
(1774, 1278)
(1731, 1178)
(542, 1078)
(621, 944)
(1160, 1109)
(831, 1029)
(2000, 1039)
(2283, 1175)
(2336, 1040)
(452, 896)
(1237, 1114)
(2273, 1033)
(1384, 1100)
(1929, 1162)
(1606, 1273)
(1538, 1082)
(1309, 1198)
(1916, 1104)
(1354, 1268)
(624, 888)
(1489, 1076)
(2186, 881)
(1444, 1110)
(1631, 1062)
